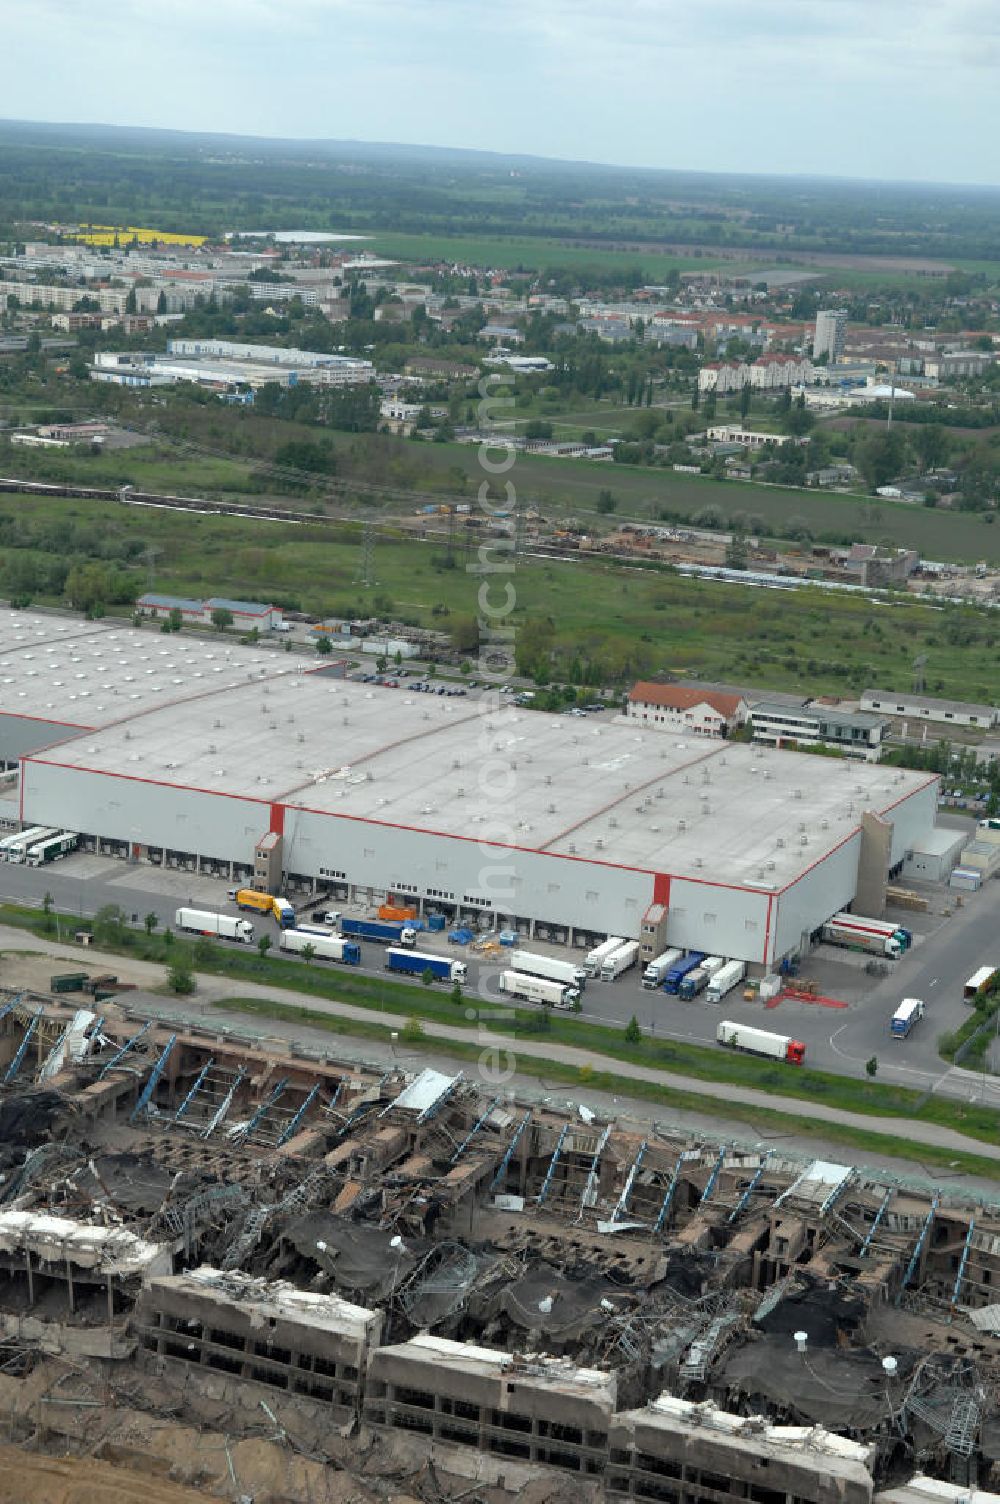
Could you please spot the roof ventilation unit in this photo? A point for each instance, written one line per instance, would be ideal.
(682, 825)
(780, 842)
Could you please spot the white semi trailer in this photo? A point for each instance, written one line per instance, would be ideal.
(225, 926)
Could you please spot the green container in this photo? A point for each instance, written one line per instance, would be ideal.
(68, 981)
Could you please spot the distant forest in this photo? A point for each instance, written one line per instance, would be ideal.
(209, 184)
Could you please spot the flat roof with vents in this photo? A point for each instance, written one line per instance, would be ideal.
(597, 790)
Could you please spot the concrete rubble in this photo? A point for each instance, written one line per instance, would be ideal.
(259, 1271)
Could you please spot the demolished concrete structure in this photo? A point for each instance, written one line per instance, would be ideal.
(505, 1289)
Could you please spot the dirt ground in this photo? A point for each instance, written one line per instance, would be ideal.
(26, 1478)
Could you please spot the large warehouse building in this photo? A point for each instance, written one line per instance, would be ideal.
(193, 752)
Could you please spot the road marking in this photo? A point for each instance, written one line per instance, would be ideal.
(934, 983)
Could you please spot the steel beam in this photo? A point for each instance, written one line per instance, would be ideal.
(126, 1047)
(962, 1263)
(265, 1108)
(22, 1049)
(914, 1263)
(146, 1096)
(713, 1179)
(292, 1126)
(590, 1189)
(875, 1225)
(547, 1182)
(669, 1197)
(744, 1200)
(182, 1109)
(623, 1199)
(476, 1127)
(509, 1155)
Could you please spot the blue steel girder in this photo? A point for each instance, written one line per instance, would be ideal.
(713, 1179)
(125, 1048)
(146, 1096)
(498, 1178)
(962, 1263)
(476, 1127)
(839, 1190)
(547, 1182)
(9, 1007)
(669, 1197)
(623, 1200)
(182, 1109)
(22, 1049)
(265, 1107)
(223, 1108)
(589, 1194)
(439, 1102)
(876, 1224)
(914, 1263)
(744, 1200)
(291, 1127)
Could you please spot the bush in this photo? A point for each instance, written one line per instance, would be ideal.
(180, 978)
(633, 1033)
(413, 1030)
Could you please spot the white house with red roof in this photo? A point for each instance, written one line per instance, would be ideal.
(689, 708)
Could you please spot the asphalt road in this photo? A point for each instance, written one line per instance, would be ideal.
(945, 952)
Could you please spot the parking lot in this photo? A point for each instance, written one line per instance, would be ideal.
(950, 942)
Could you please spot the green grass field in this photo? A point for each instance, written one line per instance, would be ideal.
(625, 620)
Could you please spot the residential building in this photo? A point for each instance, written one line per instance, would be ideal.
(924, 708)
(831, 330)
(686, 707)
(815, 724)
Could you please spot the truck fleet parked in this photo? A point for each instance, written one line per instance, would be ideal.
(596, 957)
(657, 969)
(624, 956)
(530, 964)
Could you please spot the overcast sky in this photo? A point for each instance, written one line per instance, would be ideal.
(872, 88)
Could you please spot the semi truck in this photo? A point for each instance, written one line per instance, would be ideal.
(659, 966)
(761, 1042)
(725, 979)
(389, 931)
(225, 926)
(626, 955)
(712, 964)
(15, 847)
(52, 849)
(538, 989)
(324, 945)
(870, 935)
(696, 981)
(414, 963)
(595, 958)
(675, 976)
(532, 965)
(264, 903)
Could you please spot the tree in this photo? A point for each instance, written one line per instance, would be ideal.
(130, 302)
(879, 455)
(413, 1030)
(736, 550)
(427, 976)
(180, 978)
(871, 1067)
(161, 303)
(456, 993)
(323, 646)
(151, 921)
(175, 620)
(606, 502)
(308, 953)
(109, 924)
(746, 397)
(799, 420)
(221, 618)
(264, 945)
(633, 1033)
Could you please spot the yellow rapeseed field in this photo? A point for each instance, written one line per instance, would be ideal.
(127, 234)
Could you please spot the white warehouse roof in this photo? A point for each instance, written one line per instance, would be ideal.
(605, 792)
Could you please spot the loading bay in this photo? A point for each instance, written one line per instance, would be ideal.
(949, 943)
